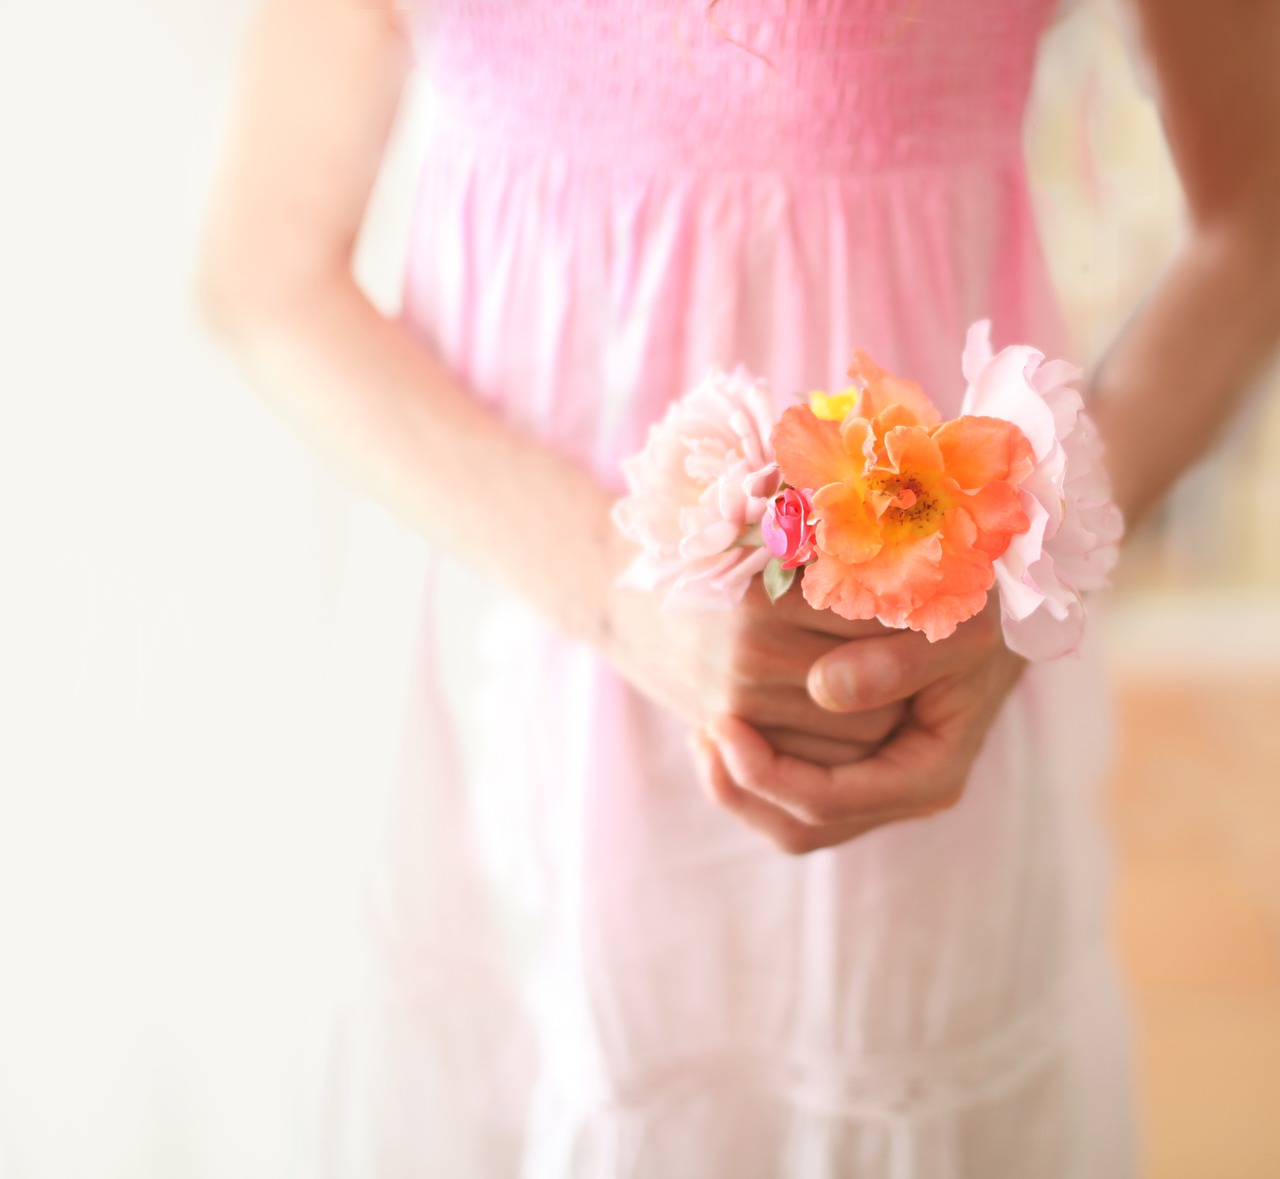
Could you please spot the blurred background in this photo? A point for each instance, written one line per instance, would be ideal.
(203, 635)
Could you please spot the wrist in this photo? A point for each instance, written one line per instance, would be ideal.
(593, 604)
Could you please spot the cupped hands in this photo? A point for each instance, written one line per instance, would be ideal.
(948, 694)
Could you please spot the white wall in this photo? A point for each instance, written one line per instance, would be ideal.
(180, 806)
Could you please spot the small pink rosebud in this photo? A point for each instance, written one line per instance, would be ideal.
(786, 528)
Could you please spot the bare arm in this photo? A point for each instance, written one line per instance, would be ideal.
(1178, 372)
(320, 86)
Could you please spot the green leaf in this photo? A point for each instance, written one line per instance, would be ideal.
(777, 580)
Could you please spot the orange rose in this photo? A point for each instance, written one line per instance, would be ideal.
(911, 512)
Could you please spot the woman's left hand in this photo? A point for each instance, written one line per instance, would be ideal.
(955, 688)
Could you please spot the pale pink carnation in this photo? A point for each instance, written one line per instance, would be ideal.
(1072, 543)
(698, 491)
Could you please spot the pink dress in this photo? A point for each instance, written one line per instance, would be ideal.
(577, 967)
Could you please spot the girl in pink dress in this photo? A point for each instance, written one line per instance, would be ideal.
(588, 953)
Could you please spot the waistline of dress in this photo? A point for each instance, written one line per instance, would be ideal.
(985, 150)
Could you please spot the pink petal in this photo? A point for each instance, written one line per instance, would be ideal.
(1002, 390)
(1017, 598)
(1041, 636)
(977, 350)
(713, 539)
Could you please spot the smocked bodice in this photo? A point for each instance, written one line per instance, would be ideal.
(800, 85)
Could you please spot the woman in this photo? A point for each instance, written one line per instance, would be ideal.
(581, 968)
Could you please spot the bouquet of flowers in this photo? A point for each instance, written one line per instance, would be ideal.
(882, 509)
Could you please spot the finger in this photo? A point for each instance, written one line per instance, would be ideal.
(815, 795)
(705, 754)
(793, 708)
(792, 608)
(872, 673)
(822, 751)
(775, 653)
(782, 829)
(917, 771)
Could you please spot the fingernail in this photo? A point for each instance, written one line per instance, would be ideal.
(831, 686)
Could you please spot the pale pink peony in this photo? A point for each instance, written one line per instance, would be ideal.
(698, 491)
(1072, 543)
(788, 528)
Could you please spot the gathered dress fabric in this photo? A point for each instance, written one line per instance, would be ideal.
(574, 965)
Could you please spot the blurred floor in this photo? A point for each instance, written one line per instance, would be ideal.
(1195, 807)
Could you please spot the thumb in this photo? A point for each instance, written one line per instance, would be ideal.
(870, 673)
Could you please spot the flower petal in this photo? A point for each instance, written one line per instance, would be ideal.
(882, 389)
(832, 407)
(1018, 598)
(1003, 390)
(965, 574)
(979, 450)
(809, 451)
(910, 448)
(827, 585)
(847, 527)
(977, 350)
(699, 485)
(1041, 636)
(997, 514)
(714, 538)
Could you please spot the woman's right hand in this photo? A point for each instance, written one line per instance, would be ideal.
(751, 661)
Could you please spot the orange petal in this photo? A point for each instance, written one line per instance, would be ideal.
(903, 574)
(965, 576)
(978, 450)
(809, 451)
(827, 586)
(890, 586)
(883, 389)
(997, 515)
(858, 438)
(941, 614)
(909, 448)
(847, 527)
(895, 415)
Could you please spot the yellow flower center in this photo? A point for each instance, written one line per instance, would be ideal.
(906, 505)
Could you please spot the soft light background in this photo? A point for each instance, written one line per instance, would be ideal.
(203, 635)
